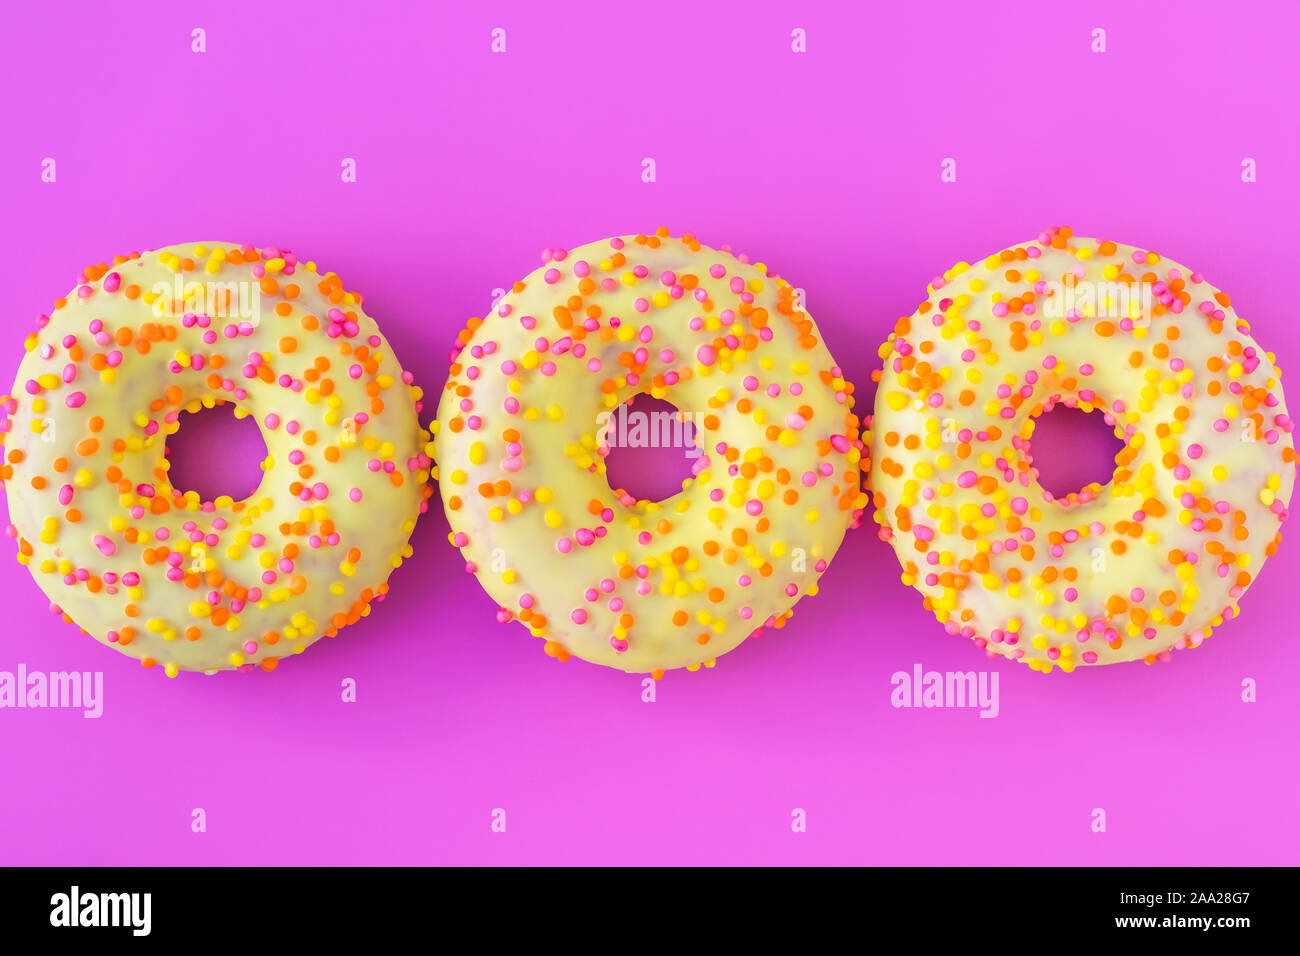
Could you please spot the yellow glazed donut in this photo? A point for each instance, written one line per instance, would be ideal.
(521, 444)
(1151, 562)
(211, 585)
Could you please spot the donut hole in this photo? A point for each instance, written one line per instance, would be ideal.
(650, 448)
(213, 453)
(1072, 449)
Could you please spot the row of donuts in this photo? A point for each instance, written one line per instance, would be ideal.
(1150, 563)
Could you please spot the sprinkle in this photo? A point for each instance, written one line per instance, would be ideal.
(644, 585)
(177, 573)
(1170, 545)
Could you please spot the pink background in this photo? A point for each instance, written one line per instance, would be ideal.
(825, 165)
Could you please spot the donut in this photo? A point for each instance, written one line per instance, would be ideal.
(521, 439)
(1151, 562)
(155, 572)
